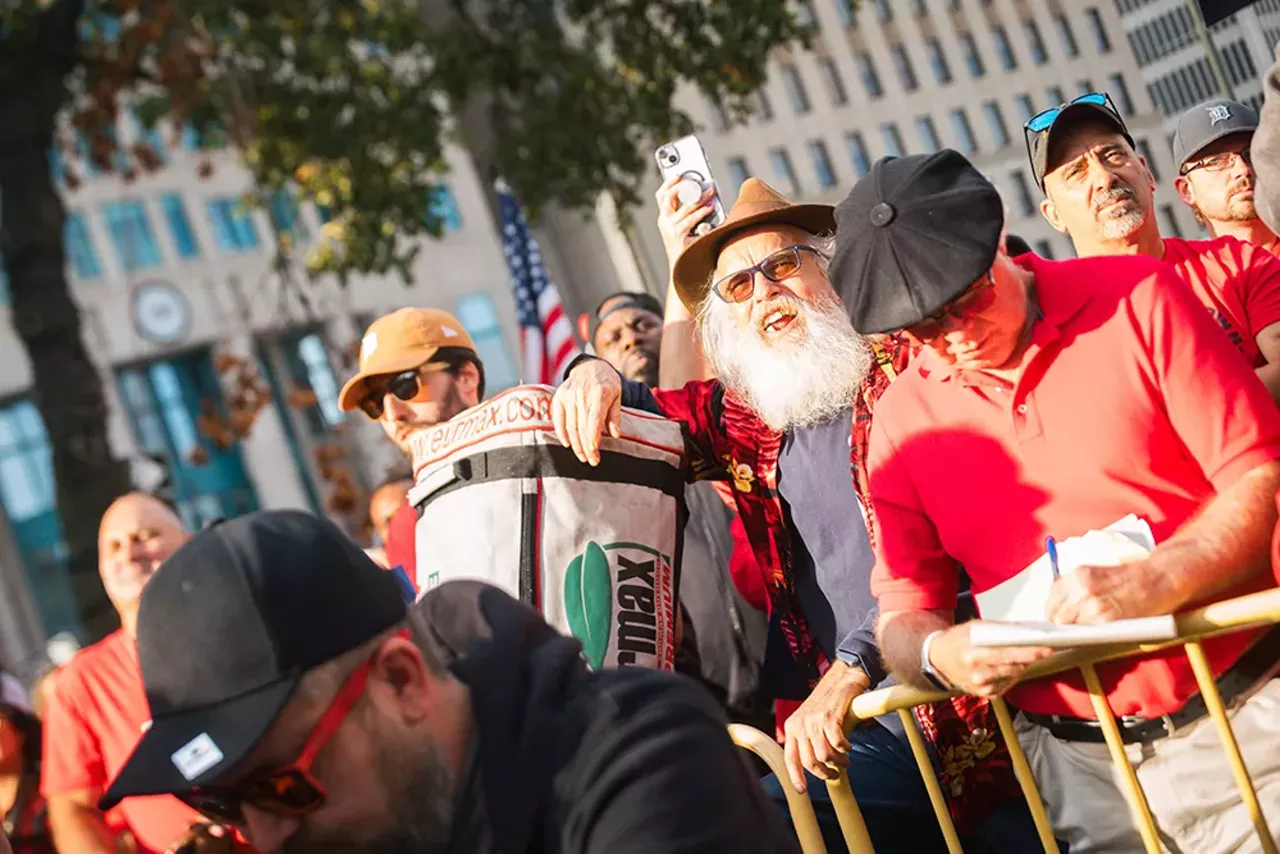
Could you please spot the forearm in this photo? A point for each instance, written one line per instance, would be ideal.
(1270, 376)
(1227, 543)
(80, 828)
(682, 359)
(900, 635)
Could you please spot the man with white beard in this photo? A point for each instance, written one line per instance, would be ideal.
(1100, 191)
(787, 422)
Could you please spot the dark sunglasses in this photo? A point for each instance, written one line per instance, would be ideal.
(975, 300)
(405, 385)
(783, 264)
(292, 790)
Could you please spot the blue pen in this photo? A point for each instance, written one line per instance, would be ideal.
(1051, 546)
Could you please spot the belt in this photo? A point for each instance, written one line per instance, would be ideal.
(1257, 662)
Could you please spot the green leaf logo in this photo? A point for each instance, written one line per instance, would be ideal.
(588, 602)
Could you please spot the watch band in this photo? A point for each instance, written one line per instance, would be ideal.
(926, 666)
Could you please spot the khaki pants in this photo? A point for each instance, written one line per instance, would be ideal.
(1193, 797)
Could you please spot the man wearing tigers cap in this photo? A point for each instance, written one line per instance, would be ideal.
(418, 368)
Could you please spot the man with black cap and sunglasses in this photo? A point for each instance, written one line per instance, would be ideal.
(418, 368)
(310, 708)
(1049, 399)
(1100, 191)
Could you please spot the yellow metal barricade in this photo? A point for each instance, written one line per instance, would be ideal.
(1255, 610)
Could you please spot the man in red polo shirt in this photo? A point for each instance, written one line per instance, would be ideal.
(418, 368)
(1051, 399)
(1099, 190)
(98, 710)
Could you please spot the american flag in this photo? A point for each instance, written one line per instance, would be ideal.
(546, 334)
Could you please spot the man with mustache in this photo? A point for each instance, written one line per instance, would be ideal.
(1050, 399)
(786, 421)
(418, 368)
(1212, 147)
(1099, 190)
(312, 709)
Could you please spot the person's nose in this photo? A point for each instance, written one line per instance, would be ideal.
(1241, 167)
(137, 549)
(267, 831)
(394, 409)
(1101, 177)
(627, 340)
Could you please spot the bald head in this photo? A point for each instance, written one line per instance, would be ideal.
(137, 533)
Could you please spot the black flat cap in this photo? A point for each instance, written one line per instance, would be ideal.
(913, 234)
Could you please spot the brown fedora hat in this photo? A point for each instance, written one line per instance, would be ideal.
(757, 204)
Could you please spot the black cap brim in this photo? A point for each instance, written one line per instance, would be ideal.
(234, 728)
(1072, 115)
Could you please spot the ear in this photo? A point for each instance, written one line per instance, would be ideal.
(1186, 192)
(400, 682)
(1050, 212)
(468, 377)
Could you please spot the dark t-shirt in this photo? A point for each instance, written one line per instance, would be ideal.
(626, 761)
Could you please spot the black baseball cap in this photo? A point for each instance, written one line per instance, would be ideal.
(1044, 129)
(624, 299)
(913, 235)
(1210, 122)
(228, 626)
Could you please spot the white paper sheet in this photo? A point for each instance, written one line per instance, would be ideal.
(1057, 635)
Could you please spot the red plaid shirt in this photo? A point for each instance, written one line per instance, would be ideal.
(727, 441)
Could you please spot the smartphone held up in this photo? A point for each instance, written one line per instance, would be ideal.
(686, 159)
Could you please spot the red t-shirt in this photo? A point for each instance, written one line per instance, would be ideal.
(399, 546)
(94, 720)
(1130, 401)
(1238, 282)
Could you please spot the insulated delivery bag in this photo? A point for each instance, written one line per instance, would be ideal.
(596, 549)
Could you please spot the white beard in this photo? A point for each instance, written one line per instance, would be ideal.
(803, 381)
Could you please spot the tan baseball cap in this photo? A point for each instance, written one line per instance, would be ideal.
(401, 341)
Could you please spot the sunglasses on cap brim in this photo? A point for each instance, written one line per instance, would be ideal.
(1041, 122)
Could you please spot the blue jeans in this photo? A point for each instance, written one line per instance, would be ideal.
(895, 804)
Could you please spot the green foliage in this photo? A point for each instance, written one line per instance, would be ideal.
(350, 101)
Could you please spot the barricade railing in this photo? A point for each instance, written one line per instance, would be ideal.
(1252, 611)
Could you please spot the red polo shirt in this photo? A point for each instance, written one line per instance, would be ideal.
(1238, 282)
(1131, 401)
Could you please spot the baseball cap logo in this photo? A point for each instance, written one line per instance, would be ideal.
(368, 345)
(1219, 113)
(448, 332)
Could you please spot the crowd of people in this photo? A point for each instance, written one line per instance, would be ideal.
(888, 410)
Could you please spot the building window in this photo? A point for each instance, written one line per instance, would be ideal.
(1004, 50)
(883, 13)
(783, 171)
(1022, 193)
(738, 171)
(1066, 36)
(1038, 54)
(870, 79)
(831, 76)
(308, 361)
(175, 215)
(892, 140)
(1054, 96)
(804, 13)
(972, 59)
(444, 207)
(965, 140)
(902, 62)
(282, 207)
(1140, 145)
(846, 14)
(479, 317)
(1100, 38)
(131, 232)
(80, 251)
(1171, 227)
(1119, 92)
(152, 136)
(857, 150)
(937, 61)
(719, 116)
(1026, 109)
(1044, 249)
(995, 121)
(795, 89)
(822, 163)
(928, 134)
(233, 228)
(764, 107)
